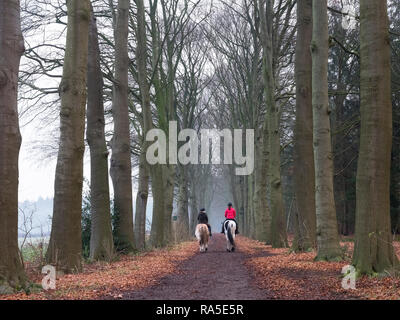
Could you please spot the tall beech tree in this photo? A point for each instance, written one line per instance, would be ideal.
(65, 240)
(101, 239)
(168, 36)
(11, 49)
(144, 86)
(373, 250)
(271, 135)
(141, 200)
(121, 170)
(327, 233)
(304, 176)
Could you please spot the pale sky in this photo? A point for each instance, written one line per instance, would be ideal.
(36, 177)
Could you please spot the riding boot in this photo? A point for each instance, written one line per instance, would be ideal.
(237, 228)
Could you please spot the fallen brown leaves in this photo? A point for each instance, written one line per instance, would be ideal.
(99, 280)
(288, 275)
(283, 275)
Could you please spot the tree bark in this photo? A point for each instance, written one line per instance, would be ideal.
(101, 239)
(163, 175)
(262, 213)
(236, 183)
(242, 207)
(327, 233)
(250, 206)
(193, 210)
(11, 49)
(304, 175)
(373, 250)
(183, 205)
(121, 170)
(65, 240)
(141, 203)
(157, 222)
(143, 190)
(340, 158)
(272, 137)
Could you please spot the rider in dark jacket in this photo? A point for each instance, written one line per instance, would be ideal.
(203, 218)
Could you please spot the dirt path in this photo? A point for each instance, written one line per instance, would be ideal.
(216, 274)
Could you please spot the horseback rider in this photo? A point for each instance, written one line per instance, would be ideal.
(203, 218)
(230, 214)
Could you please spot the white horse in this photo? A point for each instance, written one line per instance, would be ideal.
(230, 228)
(202, 235)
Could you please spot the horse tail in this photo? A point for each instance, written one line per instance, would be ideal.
(203, 236)
(230, 237)
(201, 233)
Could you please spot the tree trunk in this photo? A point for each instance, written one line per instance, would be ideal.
(373, 249)
(65, 244)
(157, 222)
(250, 206)
(101, 240)
(11, 49)
(242, 206)
(183, 206)
(143, 191)
(141, 203)
(304, 176)
(163, 192)
(236, 183)
(340, 159)
(327, 233)
(272, 137)
(169, 172)
(121, 156)
(162, 175)
(263, 219)
(193, 209)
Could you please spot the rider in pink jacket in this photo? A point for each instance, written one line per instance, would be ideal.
(230, 214)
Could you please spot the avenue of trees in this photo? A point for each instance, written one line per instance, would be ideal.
(323, 100)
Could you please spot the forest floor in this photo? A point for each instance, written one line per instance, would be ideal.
(212, 275)
(253, 271)
(296, 276)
